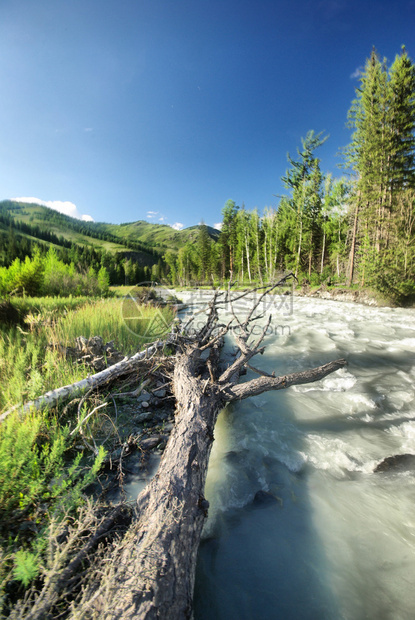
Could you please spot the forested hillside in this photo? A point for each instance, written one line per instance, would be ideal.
(130, 253)
(357, 229)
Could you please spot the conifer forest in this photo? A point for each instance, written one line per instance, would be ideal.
(355, 228)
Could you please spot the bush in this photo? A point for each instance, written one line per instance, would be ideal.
(50, 276)
(39, 477)
(315, 279)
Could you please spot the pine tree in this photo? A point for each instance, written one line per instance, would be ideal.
(402, 120)
(382, 157)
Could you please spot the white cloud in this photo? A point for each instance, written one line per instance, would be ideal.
(356, 73)
(65, 207)
(177, 226)
(151, 214)
(218, 226)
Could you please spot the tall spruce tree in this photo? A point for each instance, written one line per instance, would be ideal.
(382, 157)
(402, 121)
(203, 252)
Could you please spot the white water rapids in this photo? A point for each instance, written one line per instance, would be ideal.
(336, 540)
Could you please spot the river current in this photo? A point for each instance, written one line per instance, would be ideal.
(330, 539)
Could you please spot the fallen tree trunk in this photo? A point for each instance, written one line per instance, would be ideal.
(154, 569)
(93, 381)
(151, 575)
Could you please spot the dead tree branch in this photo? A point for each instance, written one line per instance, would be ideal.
(109, 374)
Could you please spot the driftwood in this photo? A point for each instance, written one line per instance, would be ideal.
(151, 574)
(93, 381)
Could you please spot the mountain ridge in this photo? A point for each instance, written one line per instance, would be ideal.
(140, 235)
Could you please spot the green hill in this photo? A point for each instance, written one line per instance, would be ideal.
(131, 252)
(140, 237)
(159, 236)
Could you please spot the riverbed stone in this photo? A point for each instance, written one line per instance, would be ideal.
(160, 393)
(143, 417)
(151, 442)
(396, 463)
(144, 397)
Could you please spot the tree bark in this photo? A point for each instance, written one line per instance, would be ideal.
(353, 246)
(154, 569)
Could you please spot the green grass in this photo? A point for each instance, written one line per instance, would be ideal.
(43, 471)
(125, 322)
(42, 478)
(45, 305)
(28, 368)
(32, 363)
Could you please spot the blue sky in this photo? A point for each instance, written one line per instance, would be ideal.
(162, 110)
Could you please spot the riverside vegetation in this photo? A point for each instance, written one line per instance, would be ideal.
(356, 230)
(45, 465)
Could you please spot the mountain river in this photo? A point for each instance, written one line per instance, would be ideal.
(330, 538)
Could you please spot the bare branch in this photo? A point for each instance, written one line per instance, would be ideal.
(266, 292)
(262, 336)
(260, 372)
(265, 384)
(217, 337)
(135, 392)
(81, 422)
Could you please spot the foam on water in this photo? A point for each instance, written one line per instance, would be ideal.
(406, 433)
(336, 456)
(340, 534)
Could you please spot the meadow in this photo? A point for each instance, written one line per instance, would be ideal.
(44, 463)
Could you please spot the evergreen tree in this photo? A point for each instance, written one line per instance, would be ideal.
(402, 120)
(382, 157)
(367, 154)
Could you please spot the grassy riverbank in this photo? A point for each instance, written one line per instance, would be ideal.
(44, 462)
